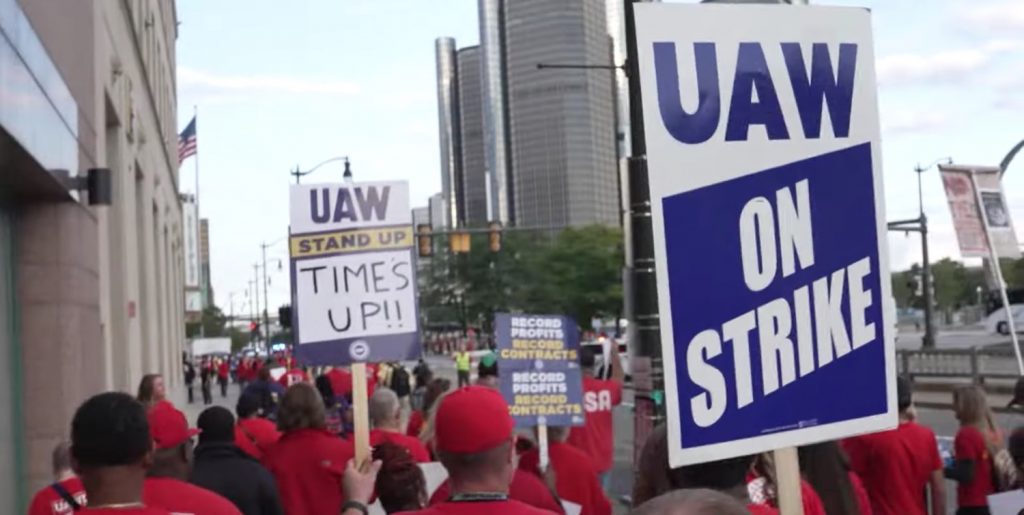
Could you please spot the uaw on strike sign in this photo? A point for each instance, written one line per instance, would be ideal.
(769, 225)
(353, 274)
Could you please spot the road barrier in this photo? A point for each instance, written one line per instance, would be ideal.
(975, 364)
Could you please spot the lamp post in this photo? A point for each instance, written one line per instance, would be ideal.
(266, 283)
(347, 175)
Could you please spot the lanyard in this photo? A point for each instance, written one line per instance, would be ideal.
(478, 497)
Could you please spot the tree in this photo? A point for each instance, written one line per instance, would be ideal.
(213, 321)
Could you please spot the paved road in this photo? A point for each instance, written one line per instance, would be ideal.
(951, 339)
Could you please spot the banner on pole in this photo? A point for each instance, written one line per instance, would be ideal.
(968, 216)
(353, 274)
(769, 226)
(538, 361)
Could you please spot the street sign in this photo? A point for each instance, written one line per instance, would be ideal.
(769, 225)
(353, 279)
(538, 360)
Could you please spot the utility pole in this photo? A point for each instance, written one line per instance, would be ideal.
(256, 285)
(266, 316)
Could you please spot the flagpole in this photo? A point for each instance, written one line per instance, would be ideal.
(199, 227)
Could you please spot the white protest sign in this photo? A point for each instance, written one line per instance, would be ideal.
(353, 277)
(769, 225)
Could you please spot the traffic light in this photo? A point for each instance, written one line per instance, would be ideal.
(425, 240)
(459, 242)
(254, 329)
(494, 236)
(284, 316)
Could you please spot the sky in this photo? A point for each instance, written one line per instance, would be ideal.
(283, 84)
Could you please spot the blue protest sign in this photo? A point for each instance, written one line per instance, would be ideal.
(538, 366)
(769, 226)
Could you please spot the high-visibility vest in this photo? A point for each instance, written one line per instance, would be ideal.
(462, 361)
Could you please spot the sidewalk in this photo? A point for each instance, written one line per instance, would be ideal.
(179, 396)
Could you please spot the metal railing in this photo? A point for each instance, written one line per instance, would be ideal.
(976, 364)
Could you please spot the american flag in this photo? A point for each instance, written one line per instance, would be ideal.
(187, 141)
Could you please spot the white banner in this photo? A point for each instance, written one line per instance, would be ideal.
(191, 232)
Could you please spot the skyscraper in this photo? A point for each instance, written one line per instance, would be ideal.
(473, 169)
(562, 121)
(448, 119)
(495, 112)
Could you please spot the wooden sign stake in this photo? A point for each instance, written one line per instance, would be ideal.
(542, 442)
(787, 472)
(360, 415)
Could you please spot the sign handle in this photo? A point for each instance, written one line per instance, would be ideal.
(787, 473)
(360, 415)
(542, 441)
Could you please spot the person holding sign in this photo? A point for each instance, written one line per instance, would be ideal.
(596, 436)
(475, 441)
(575, 474)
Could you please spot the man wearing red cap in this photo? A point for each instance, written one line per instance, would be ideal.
(172, 460)
(475, 441)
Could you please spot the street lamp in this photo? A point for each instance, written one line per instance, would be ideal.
(347, 175)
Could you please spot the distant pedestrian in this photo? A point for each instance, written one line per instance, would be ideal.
(487, 371)
(221, 467)
(223, 376)
(268, 391)
(151, 390)
(110, 450)
(386, 421)
(899, 466)
(66, 494)
(600, 396)
(206, 374)
(974, 446)
(462, 366)
(418, 418)
(401, 383)
(334, 412)
(190, 378)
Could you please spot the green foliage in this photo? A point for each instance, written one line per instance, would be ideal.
(213, 321)
(576, 272)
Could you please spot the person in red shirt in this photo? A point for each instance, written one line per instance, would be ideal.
(66, 494)
(293, 376)
(307, 462)
(253, 434)
(475, 441)
(341, 381)
(110, 451)
(385, 414)
(897, 466)
(223, 375)
(595, 437)
(575, 475)
(973, 446)
(166, 482)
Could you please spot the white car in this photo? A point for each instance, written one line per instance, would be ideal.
(604, 355)
(997, 323)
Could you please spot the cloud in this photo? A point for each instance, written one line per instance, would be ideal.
(907, 122)
(1007, 15)
(262, 84)
(945, 66)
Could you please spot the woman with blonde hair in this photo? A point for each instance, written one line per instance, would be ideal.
(151, 390)
(973, 449)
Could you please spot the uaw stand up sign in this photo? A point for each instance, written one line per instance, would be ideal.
(353, 273)
(769, 225)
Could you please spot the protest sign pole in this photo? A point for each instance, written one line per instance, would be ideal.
(542, 442)
(787, 473)
(998, 271)
(360, 414)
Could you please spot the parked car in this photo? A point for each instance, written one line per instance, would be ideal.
(997, 323)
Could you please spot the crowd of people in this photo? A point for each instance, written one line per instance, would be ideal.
(288, 449)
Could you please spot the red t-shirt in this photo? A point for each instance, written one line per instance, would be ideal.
(895, 467)
(183, 498)
(307, 465)
(761, 509)
(509, 507)
(223, 370)
(415, 424)
(525, 488)
(415, 447)
(575, 477)
(48, 502)
(255, 436)
(969, 444)
(146, 510)
(293, 376)
(595, 437)
(341, 381)
(809, 497)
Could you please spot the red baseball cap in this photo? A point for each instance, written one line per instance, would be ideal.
(471, 420)
(168, 426)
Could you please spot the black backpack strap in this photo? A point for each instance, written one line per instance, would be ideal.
(66, 495)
